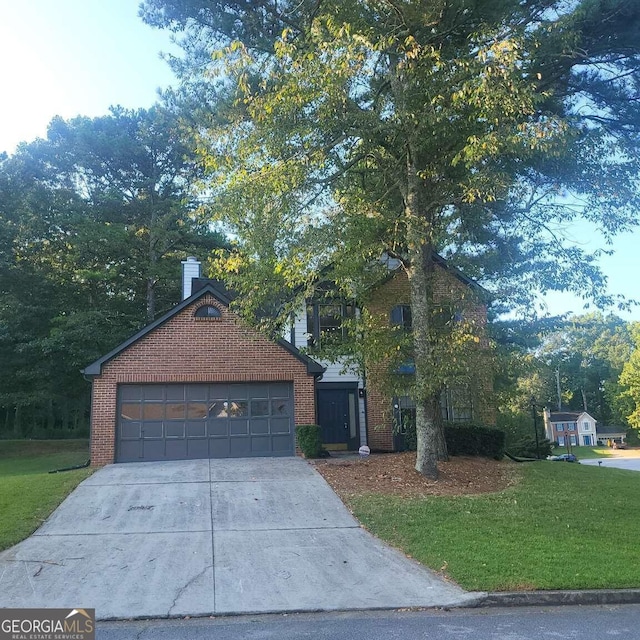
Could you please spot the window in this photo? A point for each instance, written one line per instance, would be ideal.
(325, 322)
(561, 441)
(208, 311)
(571, 426)
(400, 316)
(573, 439)
(560, 426)
(456, 405)
(585, 426)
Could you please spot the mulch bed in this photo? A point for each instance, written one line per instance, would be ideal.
(394, 474)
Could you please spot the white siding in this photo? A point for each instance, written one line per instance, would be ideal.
(334, 372)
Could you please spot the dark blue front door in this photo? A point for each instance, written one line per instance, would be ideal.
(338, 417)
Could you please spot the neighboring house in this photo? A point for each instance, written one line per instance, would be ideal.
(577, 428)
(609, 435)
(199, 383)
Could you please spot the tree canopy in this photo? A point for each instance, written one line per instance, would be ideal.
(334, 132)
(94, 221)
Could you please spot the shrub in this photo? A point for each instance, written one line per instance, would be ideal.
(474, 440)
(464, 439)
(526, 448)
(309, 440)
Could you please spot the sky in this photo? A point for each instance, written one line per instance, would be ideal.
(79, 57)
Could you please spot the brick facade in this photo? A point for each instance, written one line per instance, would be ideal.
(186, 349)
(449, 290)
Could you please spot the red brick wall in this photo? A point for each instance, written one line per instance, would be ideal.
(447, 289)
(187, 349)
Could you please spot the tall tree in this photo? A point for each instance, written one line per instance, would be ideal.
(94, 221)
(470, 128)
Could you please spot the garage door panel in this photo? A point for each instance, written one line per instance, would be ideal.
(130, 450)
(154, 449)
(218, 390)
(152, 430)
(281, 444)
(281, 425)
(130, 392)
(153, 391)
(219, 448)
(174, 392)
(197, 449)
(175, 430)
(280, 390)
(281, 407)
(176, 410)
(260, 445)
(130, 430)
(238, 427)
(259, 426)
(239, 447)
(196, 429)
(175, 450)
(218, 428)
(238, 391)
(152, 411)
(165, 422)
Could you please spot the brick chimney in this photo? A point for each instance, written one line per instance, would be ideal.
(190, 270)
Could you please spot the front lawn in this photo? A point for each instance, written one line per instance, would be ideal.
(586, 452)
(563, 526)
(28, 492)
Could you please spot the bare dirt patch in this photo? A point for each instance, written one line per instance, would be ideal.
(394, 474)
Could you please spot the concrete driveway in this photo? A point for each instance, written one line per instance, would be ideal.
(211, 537)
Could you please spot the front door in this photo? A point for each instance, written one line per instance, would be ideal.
(338, 417)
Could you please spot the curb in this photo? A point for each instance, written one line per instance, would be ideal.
(558, 598)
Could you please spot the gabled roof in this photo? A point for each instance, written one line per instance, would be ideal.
(324, 273)
(444, 264)
(95, 368)
(567, 416)
(608, 430)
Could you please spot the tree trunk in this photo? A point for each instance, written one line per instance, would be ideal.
(584, 400)
(431, 446)
(153, 259)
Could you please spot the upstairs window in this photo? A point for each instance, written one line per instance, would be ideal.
(400, 316)
(208, 311)
(571, 426)
(456, 404)
(326, 322)
(560, 426)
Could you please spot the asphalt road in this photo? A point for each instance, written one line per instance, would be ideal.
(631, 464)
(557, 623)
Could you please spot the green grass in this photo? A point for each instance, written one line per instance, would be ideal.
(585, 452)
(564, 526)
(28, 492)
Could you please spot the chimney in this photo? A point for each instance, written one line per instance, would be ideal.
(190, 270)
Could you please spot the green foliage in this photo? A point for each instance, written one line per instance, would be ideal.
(630, 377)
(463, 439)
(309, 440)
(94, 221)
(589, 352)
(335, 132)
(527, 448)
(474, 440)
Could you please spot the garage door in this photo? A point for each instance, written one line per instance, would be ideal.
(188, 421)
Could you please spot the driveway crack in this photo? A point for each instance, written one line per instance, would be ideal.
(181, 590)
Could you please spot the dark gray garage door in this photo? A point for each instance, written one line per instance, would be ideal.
(178, 421)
